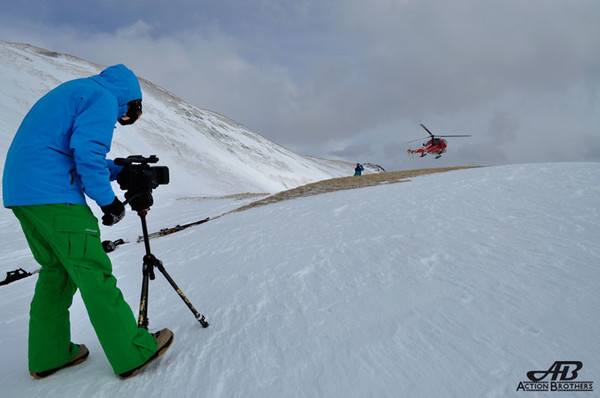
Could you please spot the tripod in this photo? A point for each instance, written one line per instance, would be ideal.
(149, 263)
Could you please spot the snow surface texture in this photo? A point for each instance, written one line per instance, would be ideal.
(218, 155)
(450, 285)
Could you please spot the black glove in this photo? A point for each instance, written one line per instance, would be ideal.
(113, 213)
(108, 246)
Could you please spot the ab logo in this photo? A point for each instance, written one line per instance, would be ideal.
(560, 370)
(561, 376)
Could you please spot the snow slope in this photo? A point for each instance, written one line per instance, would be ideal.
(216, 155)
(450, 285)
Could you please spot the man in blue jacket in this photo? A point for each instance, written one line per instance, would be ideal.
(56, 159)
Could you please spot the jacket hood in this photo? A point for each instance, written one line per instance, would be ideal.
(122, 82)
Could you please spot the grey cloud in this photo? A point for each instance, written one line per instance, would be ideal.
(314, 75)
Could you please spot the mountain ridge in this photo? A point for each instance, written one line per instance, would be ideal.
(219, 155)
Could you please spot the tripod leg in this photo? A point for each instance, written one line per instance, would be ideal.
(198, 316)
(148, 271)
(143, 316)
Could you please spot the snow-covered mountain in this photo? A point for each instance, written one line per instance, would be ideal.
(217, 155)
(450, 285)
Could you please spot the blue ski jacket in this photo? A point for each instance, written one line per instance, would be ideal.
(59, 152)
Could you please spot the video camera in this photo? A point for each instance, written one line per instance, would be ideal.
(138, 178)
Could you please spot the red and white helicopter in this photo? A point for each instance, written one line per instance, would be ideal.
(435, 145)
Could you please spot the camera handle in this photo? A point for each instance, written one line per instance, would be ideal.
(149, 263)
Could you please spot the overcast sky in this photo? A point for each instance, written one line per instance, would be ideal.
(352, 79)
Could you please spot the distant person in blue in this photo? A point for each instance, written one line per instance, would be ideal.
(56, 159)
(358, 169)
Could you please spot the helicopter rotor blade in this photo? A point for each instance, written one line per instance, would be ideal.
(418, 139)
(426, 129)
(434, 136)
(461, 135)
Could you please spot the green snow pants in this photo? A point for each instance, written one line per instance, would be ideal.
(65, 241)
